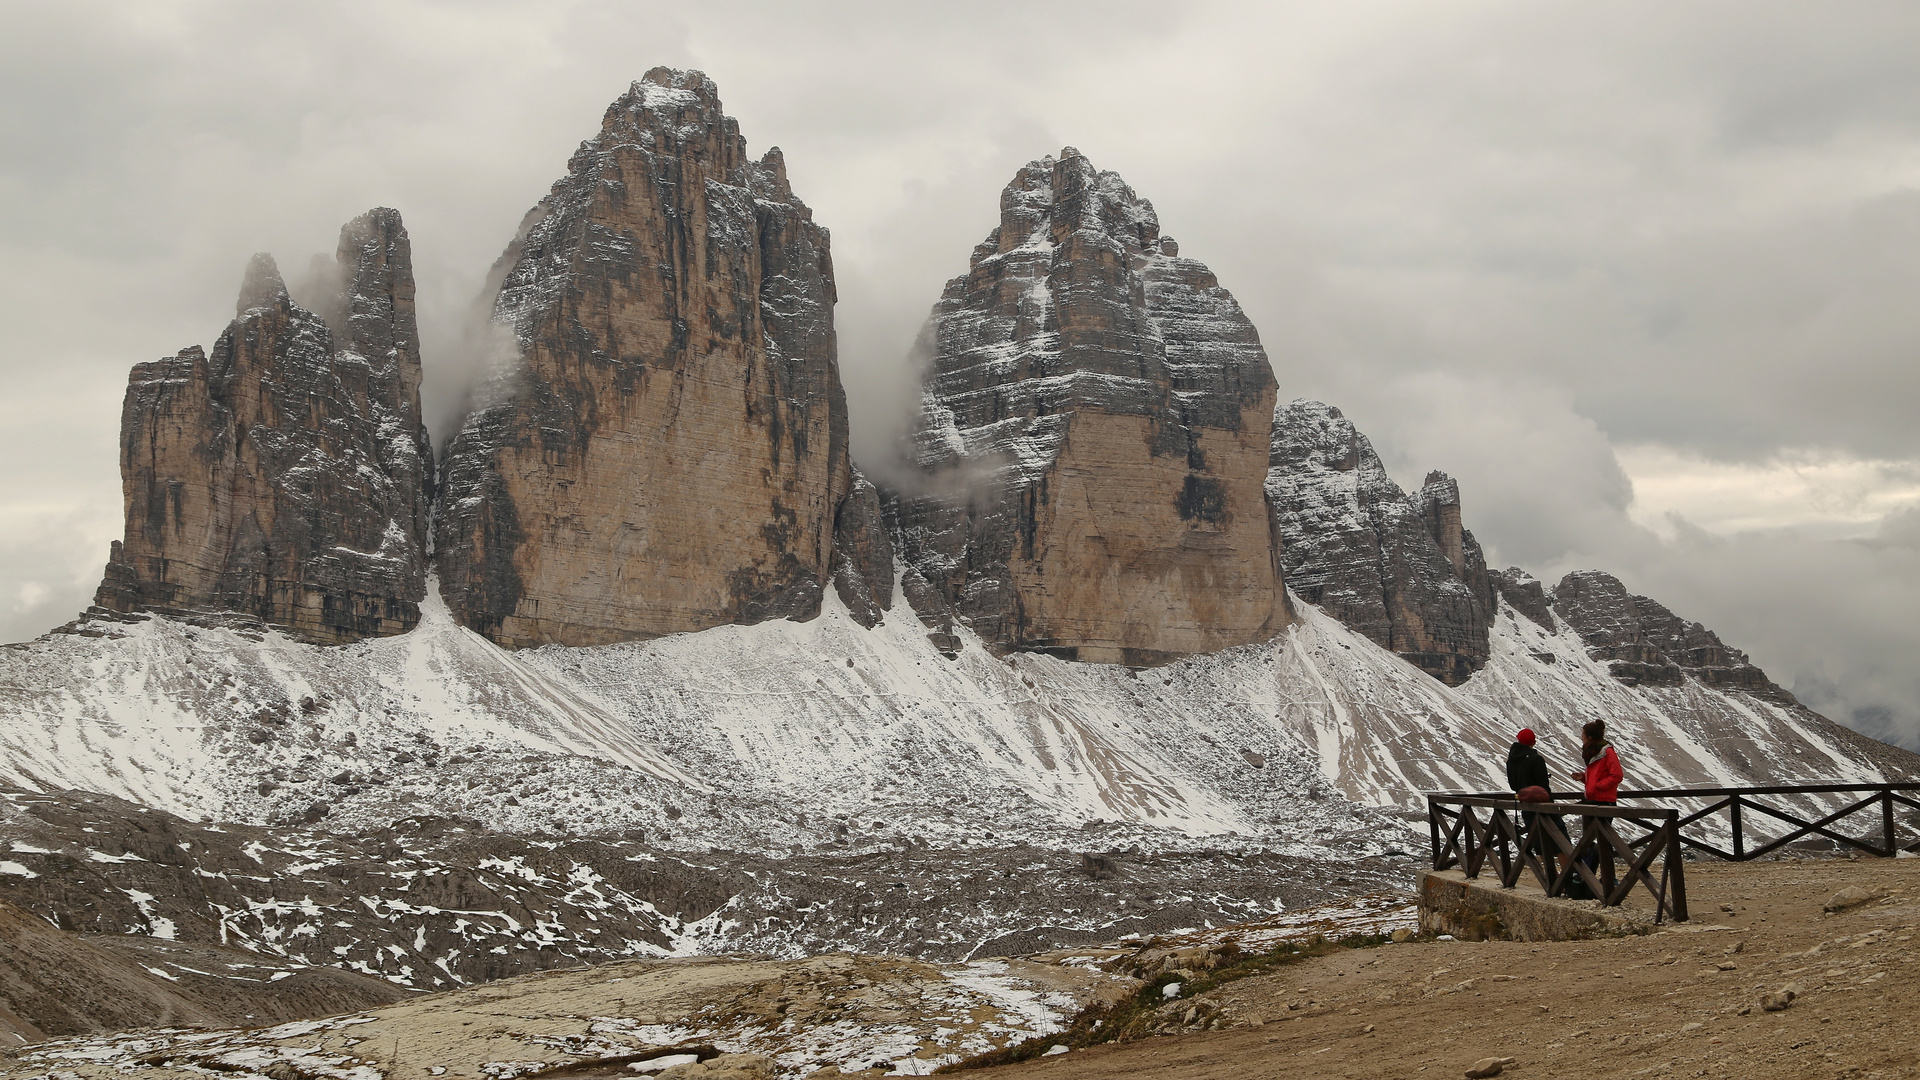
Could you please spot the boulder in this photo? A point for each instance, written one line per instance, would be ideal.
(1850, 897)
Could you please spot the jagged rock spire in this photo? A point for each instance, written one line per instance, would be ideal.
(266, 481)
(1403, 571)
(1093, 438)
(261, 287)
(670, 451)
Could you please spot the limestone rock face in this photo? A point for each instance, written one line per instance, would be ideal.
(668, 452)
(285, 478)
(1092, 440)
(1526, 593)
(1644, 644)
(1401, 570)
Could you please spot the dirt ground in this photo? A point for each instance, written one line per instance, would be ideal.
(1678, 1003)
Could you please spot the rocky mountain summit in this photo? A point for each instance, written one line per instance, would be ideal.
(1643, 643)
(668, 450)
(1401, 570)
(1093, 438)
(286, 477)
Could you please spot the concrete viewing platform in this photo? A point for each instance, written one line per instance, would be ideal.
(1478, 909)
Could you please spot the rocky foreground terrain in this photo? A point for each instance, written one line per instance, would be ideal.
(436, 903)
(837, 1014)
(1687, 1000)
(1690, 1000)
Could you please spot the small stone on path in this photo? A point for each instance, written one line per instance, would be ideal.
(1486, 1067)
(1778, 1000)
(1850, 897)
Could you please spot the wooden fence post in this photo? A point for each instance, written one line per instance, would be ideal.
(1739, 840)
(1886, 822)
(1677, 885)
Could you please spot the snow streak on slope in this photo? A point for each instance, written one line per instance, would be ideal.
(798, 735)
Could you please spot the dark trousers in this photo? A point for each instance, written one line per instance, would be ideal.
(1591, 858)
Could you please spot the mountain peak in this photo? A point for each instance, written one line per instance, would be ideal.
(261, 286)
(1113, 406)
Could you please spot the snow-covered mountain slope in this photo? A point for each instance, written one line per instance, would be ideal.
(792, 735)
(1685, 735)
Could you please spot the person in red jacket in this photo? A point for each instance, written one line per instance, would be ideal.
(1602, 779)
(1602, 774)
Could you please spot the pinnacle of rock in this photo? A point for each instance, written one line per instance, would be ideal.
(1093, 438)
(1401, 570)
(672, 455)
(261, 287)
(283, 479)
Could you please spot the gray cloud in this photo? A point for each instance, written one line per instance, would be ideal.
(1505, 237)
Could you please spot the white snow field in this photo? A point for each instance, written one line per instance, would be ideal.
(788, 735)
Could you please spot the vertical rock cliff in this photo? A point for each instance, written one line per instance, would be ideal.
(1093, 438)
(285, 478)
(669, 452)
(1403, 571)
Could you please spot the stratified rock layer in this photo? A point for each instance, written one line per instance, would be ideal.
(669, 452)
(1644, 644)
(285, 478)
(1093, 438)
(1403, 571)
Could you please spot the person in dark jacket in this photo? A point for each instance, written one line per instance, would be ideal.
(1527, 769)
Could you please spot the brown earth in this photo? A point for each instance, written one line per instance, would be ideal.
(1678, 1003)
(54, 983)
(1683, 1001)
(840, 1013)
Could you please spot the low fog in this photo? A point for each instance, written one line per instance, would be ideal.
(1639, 275)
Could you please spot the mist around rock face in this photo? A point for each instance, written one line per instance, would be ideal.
(673, 452)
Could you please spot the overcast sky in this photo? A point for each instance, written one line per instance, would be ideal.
(1642, 275)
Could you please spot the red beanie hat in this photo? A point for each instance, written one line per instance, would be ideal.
(1525, 736)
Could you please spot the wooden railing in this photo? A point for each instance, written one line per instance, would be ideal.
(1877, 800)
(1531, 837)
(1524, 837)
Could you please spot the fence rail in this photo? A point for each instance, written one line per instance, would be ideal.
(1737, 801)
(1531, 837)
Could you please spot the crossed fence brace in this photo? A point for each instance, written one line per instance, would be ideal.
(1529, 837)
(1737, 800)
